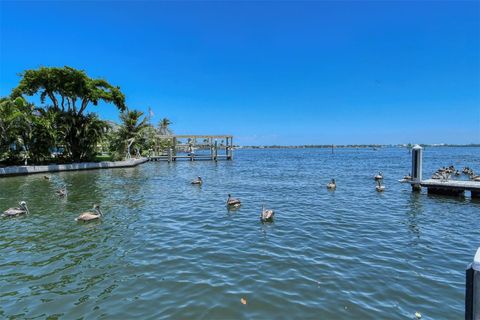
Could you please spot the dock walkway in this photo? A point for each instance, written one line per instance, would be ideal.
(451, 187)
(24, 170)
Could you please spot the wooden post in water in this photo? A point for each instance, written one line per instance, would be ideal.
(211, 148)
(170, 154)
(230, 155)
(174, 142)
(417, 154)
(215, 150)
(226, 148)
(192, 149)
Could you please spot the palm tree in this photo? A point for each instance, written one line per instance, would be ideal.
(10, 120)
(132, 127)
(81, 134)
(163, 127)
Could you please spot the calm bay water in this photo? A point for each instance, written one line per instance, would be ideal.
(166, 248)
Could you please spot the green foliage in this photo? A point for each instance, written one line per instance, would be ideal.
(81, 134)
(68, 89)
(31, 133)
(133, 126)
(62, 130)
(164, 127)
(25, 132)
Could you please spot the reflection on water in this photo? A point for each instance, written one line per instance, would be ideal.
(166, 248)
(415, 208)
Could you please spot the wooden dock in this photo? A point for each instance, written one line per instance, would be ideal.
(451, 187)
(185, 147)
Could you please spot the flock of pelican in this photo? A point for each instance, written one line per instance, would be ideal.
(266, 215)
(445, 173)
(22, 209)
(96, 213)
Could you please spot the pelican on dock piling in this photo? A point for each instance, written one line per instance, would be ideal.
(379, 187)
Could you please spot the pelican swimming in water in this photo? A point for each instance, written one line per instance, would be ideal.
(13, 212)
(332, 185)
(90, 215)
(61, 192)
(46, 177)
(233, 202)
(267, 215)
(379, 176)
(198, 181)
(379, 186)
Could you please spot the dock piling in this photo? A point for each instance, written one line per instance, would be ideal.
(472, 289)
(417, 155)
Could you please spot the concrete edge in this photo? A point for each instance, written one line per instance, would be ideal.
(24, 170)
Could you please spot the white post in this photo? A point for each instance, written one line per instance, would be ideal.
(417, 155)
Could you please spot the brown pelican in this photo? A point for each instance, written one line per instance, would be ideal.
(379, 176)
(198, 181)
(379, 186)
(267, 215)
(46, 177)
(61, 192)
(13, 212)
(233, 202)
(332, 185)
(90, 215)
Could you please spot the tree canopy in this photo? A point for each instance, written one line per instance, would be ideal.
(61, 129)
(68, 89)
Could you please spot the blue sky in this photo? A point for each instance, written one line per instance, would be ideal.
(268, 72)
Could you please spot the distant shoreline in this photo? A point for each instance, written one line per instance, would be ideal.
(357, 146)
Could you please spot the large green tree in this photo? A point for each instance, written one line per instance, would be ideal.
(68, 89)
(65, 94)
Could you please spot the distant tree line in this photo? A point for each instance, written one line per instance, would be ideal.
(61, 129)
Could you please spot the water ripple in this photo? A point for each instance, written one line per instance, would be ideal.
(166, 249)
